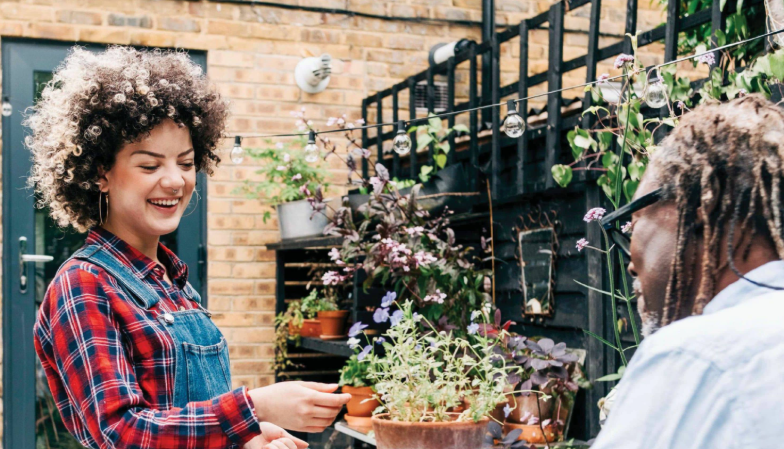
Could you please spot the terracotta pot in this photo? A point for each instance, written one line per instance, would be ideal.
(310, 328)
(532, 434)
(525, 404)
(294, 330)
(356, 407)
(333, 322)
(428, 435)
(363, 424)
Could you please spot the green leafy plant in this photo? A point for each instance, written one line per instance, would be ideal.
(285, 172)
(314, 303)
(438, 136)
(292, 316)
(355, 373)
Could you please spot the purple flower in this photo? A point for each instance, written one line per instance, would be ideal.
(582, 243)
(594, 214)
(380, 340)
(304, 190)
(622, 60)
(356, 329)
(507, 410)
(396, 318)
(708, 59)
(472, 328)
(381, 315)
(388, 299)
(627, 228)
(361, 356)
(680, 105)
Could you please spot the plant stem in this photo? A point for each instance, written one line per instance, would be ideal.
(627, 298)
(612, 298)
(492, 241)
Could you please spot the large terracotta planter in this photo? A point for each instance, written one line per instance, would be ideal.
(360, 404)
(523, 405)
(428, 435)
(333, 322)
(310, 328)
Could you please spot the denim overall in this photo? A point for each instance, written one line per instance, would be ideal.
(201, 354)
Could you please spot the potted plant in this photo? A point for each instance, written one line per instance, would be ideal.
(288, 326)
(354, 380)
(310, 306)
(424, 374)
(325, 307)
(287, 179)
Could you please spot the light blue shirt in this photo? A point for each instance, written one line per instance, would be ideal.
(714, 381)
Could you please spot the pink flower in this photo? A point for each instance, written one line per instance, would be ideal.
(708, 59)
(594, 214)
(680, 105)
(286, 157)
(415, 231)
(360, 121)
(582, 243)
(279, 145)
(424, 258)
(627, 228)
(437, 297)
(377, 183)
(332, 278)
(603, 78)
(296, 177)
(304, 190)
(331, 121)
(365, 153)
(281, 168)
(622, 60)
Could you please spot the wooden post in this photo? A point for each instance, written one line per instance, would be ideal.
(554, 80)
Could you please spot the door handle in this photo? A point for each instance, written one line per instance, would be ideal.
(24, 259)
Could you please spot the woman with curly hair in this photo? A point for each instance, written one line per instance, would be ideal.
(131, 356)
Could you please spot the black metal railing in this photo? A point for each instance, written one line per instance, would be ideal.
(557, 67)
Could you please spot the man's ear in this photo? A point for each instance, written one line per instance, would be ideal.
(708, 199)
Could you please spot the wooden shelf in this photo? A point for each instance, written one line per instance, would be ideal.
(307, 243)
(336, 347)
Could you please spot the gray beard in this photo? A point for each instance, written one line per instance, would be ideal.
(650, 319)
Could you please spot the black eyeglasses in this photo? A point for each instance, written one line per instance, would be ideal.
(617, 237)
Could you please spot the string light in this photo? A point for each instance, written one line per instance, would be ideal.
(514, 125)
(7, 108)
(237, 153)
(655, 91)
(402, 143)
(311, 149)
(655, 97)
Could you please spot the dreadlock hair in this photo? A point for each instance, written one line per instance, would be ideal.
(721, 164)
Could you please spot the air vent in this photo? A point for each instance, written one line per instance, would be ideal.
(439, 97)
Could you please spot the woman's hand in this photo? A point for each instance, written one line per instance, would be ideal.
(273, 437)
(299, 406)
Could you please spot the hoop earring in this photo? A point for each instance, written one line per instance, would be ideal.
(100, 213)
(197, 203)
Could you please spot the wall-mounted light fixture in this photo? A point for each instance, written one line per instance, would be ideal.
(312, 74)
(441, 52)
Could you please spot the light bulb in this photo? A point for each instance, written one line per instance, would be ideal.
(237, 153)
(514, 125)
(7, 108)
(656, 93)
(311, 149)
(402, 143)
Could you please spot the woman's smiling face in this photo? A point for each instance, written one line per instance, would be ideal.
(151, 183)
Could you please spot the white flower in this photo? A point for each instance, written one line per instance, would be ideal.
(279, 145)
(475, 314)
(353, 342)
(296, 177)
(281, 168)
(437, 297)
(472, 328)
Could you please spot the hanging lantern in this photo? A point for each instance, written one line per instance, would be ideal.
(311, 149)
(514, 125)
(237, 153)
(402, 142)
(655, 91)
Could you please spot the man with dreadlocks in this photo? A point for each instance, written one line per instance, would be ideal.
(707, 256)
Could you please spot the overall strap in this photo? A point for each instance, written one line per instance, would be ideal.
(100, 256)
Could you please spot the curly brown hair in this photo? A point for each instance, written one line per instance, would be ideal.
(96, 103)
(726, 160)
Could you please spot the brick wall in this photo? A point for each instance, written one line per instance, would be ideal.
(252, 52)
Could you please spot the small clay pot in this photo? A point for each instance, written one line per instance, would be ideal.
(525, 404)
(358, 406)
(428, 435)
(333, 322)
(310, 328)
(532, 434)
(362, 424)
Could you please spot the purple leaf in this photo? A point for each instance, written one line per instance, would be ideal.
(539, 364)
(547, 345)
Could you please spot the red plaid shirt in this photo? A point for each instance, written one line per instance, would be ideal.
(112, 372)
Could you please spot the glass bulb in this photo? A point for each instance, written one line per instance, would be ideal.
(7, 109)
(656, 95)
(402, 143)
(237, 154)
(514, 126)
(311, 152)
